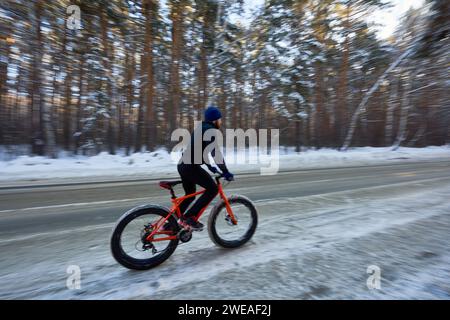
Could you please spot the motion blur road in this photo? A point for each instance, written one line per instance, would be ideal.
(319, 231)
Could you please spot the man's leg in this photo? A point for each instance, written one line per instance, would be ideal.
(202, 178)
(186, 174)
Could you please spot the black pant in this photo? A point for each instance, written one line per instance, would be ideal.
(191, 175)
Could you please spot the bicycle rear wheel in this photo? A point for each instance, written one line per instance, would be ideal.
(128, 241)
(221, 229)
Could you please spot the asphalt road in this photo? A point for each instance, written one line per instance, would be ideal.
(40, 209)
(32, 218)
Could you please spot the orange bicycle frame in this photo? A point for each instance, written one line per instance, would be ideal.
(176, 210)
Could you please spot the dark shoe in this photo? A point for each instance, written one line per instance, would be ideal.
(192, 224)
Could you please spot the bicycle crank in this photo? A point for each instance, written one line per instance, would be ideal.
(185, 235)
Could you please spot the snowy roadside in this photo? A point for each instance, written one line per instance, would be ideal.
(160, 163)
(321, 248)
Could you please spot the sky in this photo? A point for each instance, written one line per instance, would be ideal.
(388, 18)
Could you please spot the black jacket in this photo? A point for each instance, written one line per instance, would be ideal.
(208, 142)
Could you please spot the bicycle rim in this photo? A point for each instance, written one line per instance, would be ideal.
(226, 230)
(132, 240)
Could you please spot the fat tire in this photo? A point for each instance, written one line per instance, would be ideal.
(213, 218)
(140, 264)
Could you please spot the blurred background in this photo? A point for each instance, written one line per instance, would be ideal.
(90, 92)
(330, 73)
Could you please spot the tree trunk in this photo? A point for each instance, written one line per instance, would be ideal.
(222, 102)
(79, 104)
(3, 104)
(342, 90)
(140, 120)
(68, 94)
(4, 50)
(392, 104)
(203, 76)
(177, 45)
(206, 47)
(130, 99)
(406, 106)
(322, 121)
(37, 138)
(238, 102)
(108, 122)
(150, 13)
(367, 96)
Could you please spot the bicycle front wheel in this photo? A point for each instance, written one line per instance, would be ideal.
(221, 229)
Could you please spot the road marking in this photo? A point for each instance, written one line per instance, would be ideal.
(78, 204)
(406, 174)
(343, 192)
(127, 181)
(58, 233)
(261, 201)
(81, 204)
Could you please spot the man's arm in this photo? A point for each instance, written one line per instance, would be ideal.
(219, 159)
(217, 156)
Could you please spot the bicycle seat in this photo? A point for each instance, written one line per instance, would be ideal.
(168, 184)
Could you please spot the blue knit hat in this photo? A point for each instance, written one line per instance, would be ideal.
(212, 114)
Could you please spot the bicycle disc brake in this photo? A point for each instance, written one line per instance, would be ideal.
(230, 221)
(147, 245)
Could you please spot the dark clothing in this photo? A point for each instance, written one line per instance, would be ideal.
(194, 153)
(191, 171)
(193, 174)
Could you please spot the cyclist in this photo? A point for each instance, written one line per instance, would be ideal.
(192, 173)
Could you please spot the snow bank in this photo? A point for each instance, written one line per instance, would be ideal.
(161, 163)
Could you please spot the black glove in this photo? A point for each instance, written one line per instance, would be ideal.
(228, 176)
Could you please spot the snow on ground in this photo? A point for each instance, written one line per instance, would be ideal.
(160, 163)
(317, 247)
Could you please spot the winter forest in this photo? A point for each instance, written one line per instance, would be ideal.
(135, 70)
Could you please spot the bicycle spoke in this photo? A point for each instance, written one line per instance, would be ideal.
(132, 234)
(230, 232)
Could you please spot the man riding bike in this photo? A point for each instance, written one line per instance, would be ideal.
(192, 173)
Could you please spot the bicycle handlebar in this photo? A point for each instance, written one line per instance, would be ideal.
(220, 176)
